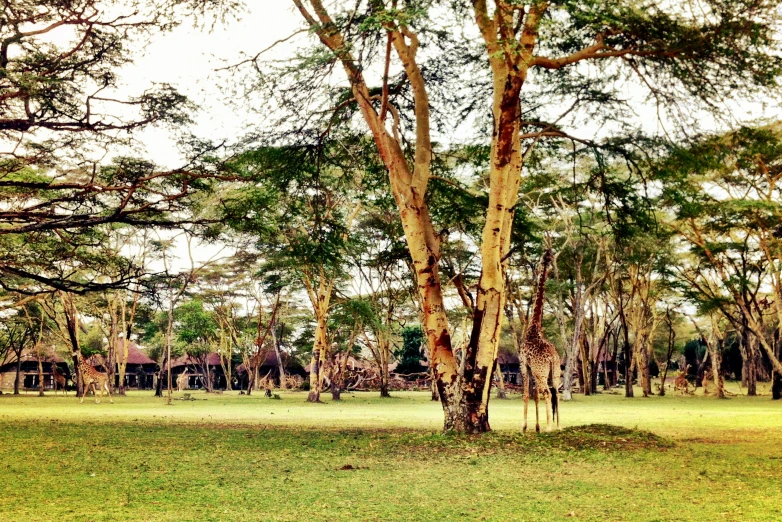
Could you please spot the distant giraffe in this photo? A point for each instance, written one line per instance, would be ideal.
(680, 384)
(183, 381)
(59, 380)
(542, 357)
(92, 378)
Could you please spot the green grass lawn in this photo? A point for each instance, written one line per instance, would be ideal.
(231, 457)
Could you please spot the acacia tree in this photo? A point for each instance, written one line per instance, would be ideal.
(723, 195)
(299, 212)
(675, 53)
(19, 332)
(61, 114)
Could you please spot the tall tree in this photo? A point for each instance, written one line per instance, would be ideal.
(299, 213)
(397, 59)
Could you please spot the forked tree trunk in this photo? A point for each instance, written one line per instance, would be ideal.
(464, 400)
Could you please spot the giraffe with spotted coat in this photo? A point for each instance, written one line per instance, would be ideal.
(92, 378)
(542, 358)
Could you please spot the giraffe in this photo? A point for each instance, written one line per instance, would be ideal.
(182, 382)
(90, 377)
(59, 380)
(542, 357)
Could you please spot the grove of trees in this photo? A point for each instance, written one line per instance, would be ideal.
(413, 161)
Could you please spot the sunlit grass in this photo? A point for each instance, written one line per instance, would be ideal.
(232, 457)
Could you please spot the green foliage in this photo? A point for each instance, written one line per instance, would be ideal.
(93, 341)
(411, 353)
(194, 325)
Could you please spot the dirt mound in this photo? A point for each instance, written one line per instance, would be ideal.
(604, 437)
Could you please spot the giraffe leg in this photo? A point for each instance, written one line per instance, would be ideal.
(537, 413)
(547, 396)
(95, 391)
(83, 392)
(108, 391)
(526, 405)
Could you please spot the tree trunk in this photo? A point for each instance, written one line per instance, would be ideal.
(593, 371)
(749, 370)
(776, 383)
(433, 384)
(336, 390)
(18, 373)
(629, 363)
(72, 326)
(280, 366)
(501, 394)
(643, 371)
(716, 363)
(464, 400)
(122, 366)
(319, 354)
(40, 374)
(614, 373)
(585, 375)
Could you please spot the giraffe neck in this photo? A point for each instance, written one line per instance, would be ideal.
(537, 312)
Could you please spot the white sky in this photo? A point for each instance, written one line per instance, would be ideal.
(187, 58)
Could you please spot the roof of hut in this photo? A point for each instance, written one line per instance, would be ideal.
(135, 356)
(212, 359)
(29, 354)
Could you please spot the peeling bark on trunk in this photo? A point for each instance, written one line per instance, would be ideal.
(464, 400)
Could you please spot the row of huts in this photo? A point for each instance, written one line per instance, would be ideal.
(140, 372)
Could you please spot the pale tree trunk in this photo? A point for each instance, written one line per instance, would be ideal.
(320, 348)
(748, 373)
(716, 342)
(169, 334)
(586, 374)
(17, 384)
(671, 346)
(642, 357)
(408, 186)
(385, 350)
(72, 328)
(278, 354)
(40, 372)
(464, 400)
